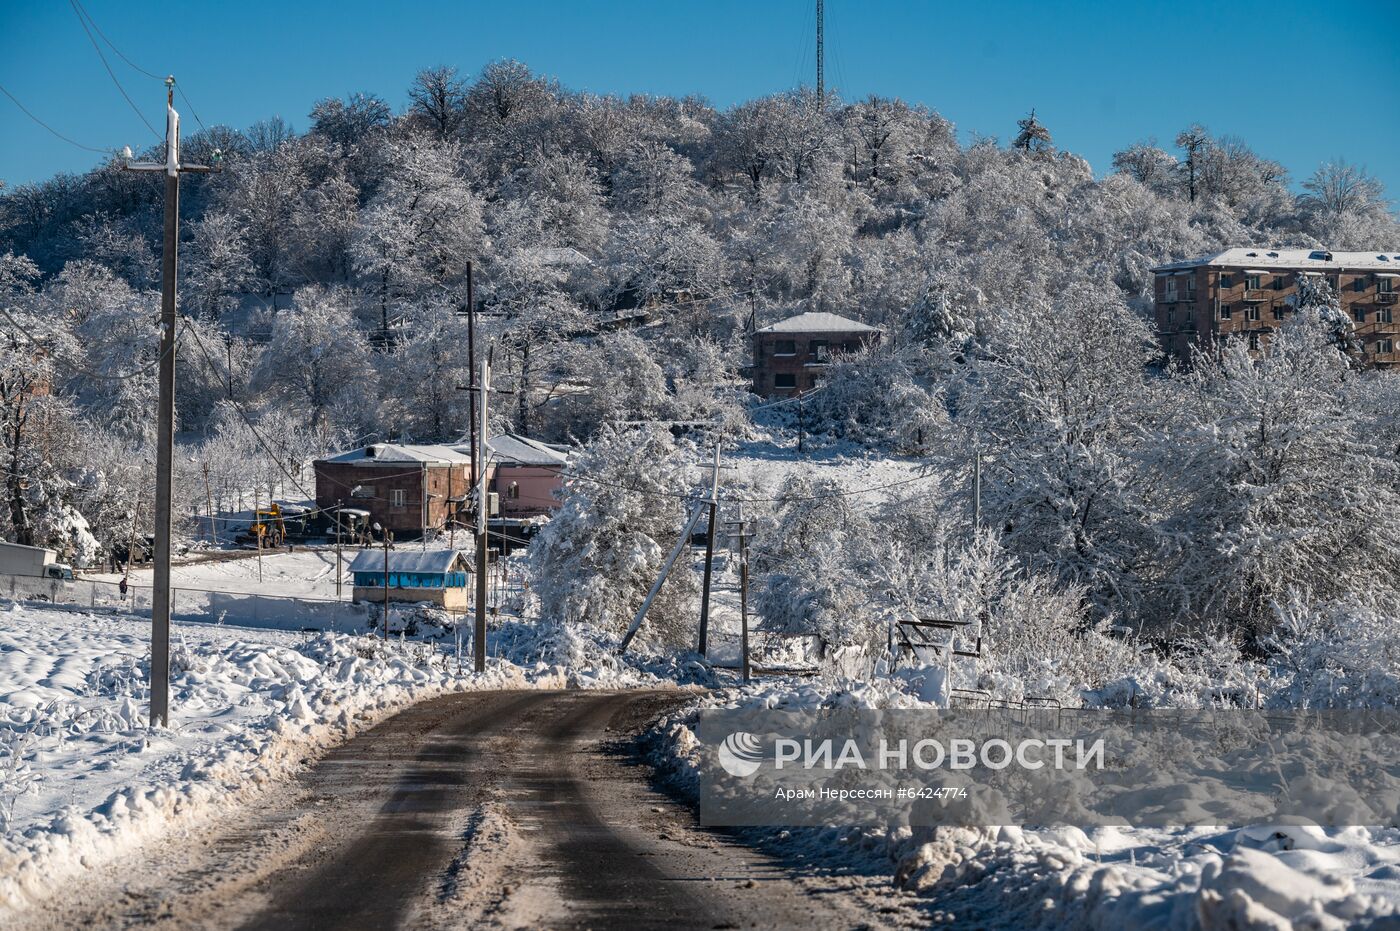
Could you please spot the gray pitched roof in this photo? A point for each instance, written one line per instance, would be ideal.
(512, 449)
(372, 560)
(818, 323)
(400, 453)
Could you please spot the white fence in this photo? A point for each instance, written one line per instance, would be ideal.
(187, 604)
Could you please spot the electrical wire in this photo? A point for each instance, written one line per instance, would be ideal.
(82, 370)
(98, 49)
(60, 135)
(82, 10)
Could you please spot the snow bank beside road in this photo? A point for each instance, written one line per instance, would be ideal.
(1268, 877)
(82, 779)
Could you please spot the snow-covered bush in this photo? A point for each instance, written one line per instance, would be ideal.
(1337, 654)
(879, 396)
(594, 562)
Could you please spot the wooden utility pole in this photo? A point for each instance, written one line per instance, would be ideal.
(821, 50)
(479, 629)
(801, 425)
(661, 576)
(702, 643)
(209, 504)
(385, 626)
(976, 489)
(743, 595)
(339, 572)
(471, 363)
(165, 408)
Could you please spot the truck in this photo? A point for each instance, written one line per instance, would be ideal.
(17, 559)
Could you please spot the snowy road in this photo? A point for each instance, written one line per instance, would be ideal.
(503, 809)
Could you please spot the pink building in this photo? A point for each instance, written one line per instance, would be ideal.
(527, 475)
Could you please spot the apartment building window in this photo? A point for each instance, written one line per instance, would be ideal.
(1385, 345)
(1191, 288)
(1251, 312)
(1385, 285)
(1278, 311)
(1358, 284)
(1171, 317)
(1383, 315)
(1227, 281)
(1224, 311)
(785, 347)
(1251, 282)
(1279, 283)
(1358, 314)
(396, 497)
(1334, 283)
(1169, 291)
(1254, 341)
(784, 380)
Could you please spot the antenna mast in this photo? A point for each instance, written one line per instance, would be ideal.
(821, 51)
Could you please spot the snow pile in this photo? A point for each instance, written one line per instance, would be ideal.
(1264, 877)
(82, 779)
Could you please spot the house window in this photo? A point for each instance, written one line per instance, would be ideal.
(1170, 293)
(1251, 282)
(1358, 314)
(396, 497)
(1254, 341)
(1224, 311)
(1358, 284)
(785, 347)
(513, 491)
(1279, 283)
(1227, 281)
(1385, 285)
(784, 380)
(1278, 311)
(362, 491)
(819, 351)
(1385, 345)
(1191, 288)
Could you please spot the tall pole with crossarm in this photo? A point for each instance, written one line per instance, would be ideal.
(165, 407)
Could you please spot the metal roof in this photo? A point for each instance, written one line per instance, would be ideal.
(400, 453)
(1289, 259)
(818, 323)
(512, 449)
(432, 561)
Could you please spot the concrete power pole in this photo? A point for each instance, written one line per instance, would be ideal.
(479, 629)
(821, 50)
(165, 408)
(702, 644)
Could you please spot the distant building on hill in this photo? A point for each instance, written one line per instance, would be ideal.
(789, 356)
(1249, 293)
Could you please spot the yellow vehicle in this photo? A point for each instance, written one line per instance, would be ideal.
(267, 527)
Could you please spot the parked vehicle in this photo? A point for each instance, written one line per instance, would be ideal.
(16, 559)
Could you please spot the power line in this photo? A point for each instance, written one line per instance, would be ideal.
(82, 11)
(60, 135)
(82, 370)
(97, 48)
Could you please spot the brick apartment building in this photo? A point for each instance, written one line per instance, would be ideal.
(404, 488)
(1250, 292)
(789, 356)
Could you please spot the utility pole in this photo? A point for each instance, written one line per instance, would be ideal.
(977, 489)
(165, 408)
(479, 647)
(258, 530)
(385, 626)
(821, 50)
(471, 362)
(339, 572)
(702, 643)
(743, 526)
(801, 425)
(209, 504)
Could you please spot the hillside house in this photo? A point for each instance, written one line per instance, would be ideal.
(790, 356)
(435, 576)
(409, 489)
(1248, 293)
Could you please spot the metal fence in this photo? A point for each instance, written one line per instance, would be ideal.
(187, 604)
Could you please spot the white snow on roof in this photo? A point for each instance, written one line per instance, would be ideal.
(512, 449)
(818, 323)
(400, 453)
(372, 560)
(1319, 259)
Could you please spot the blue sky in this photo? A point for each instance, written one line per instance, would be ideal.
(1302, 82)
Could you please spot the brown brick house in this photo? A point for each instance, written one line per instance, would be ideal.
(1250, 292)
(405, 488)
(789, 356)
